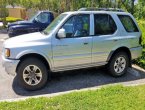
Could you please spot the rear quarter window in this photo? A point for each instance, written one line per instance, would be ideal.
(128, 23)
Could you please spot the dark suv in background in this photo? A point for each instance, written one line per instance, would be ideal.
(37, 23)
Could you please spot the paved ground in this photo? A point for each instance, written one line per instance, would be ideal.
(65, 81)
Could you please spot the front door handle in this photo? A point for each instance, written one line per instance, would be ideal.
(86, 43)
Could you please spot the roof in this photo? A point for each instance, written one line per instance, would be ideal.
(101, 9)
(45, 11)
(89, 12)
(98, 10)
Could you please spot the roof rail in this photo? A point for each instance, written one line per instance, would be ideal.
(101, 9)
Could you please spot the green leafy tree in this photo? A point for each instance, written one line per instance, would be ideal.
(140, 9)
(3, 12)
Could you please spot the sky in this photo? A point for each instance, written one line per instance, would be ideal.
(136, 1)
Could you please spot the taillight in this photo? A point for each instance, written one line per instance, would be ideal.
(140, 39)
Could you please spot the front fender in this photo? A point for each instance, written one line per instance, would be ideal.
(27, 52)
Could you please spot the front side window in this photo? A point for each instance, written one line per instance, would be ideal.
(77, 26)
(128, 23)
(104, 24)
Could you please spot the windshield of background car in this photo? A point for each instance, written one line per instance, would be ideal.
(55, 23)
(33, 16)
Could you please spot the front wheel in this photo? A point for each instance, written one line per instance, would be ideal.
(32, 74)
(118, 64)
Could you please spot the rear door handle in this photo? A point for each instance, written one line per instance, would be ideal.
(115, 40)
(85, 43)
(60, 45)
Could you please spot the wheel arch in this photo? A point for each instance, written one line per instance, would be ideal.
(35, 55)
(124, 49)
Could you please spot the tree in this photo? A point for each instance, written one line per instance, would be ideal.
(3, 12)
(12, 2)
(139, 11)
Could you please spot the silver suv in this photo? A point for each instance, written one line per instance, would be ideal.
(74, 40)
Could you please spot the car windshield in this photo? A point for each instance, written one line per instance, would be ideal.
(54, 24)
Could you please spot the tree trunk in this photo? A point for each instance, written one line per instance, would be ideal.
(3, 12)
(132, 6)
(68, 5)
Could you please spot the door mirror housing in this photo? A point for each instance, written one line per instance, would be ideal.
(61, 33)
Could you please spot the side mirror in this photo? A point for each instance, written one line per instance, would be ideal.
(61, 33)
(35, 20)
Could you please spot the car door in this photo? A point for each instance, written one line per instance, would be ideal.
(105, 37)
(75, 49)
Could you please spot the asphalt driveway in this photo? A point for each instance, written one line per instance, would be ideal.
(65, 81)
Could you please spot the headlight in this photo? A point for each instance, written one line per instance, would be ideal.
(7, 52)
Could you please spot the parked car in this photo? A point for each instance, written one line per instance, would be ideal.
(74, 40)
(37, 23)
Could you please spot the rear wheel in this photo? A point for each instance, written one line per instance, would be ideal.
(32, 74)
(118, 64)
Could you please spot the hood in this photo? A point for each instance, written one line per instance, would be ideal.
(20, 23)
(25, 40)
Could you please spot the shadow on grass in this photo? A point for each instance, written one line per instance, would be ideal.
(75, 80)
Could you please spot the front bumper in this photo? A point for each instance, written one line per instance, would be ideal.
(10, 65)
(136, 52)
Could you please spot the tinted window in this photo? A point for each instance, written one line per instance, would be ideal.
(104, 24)
(128, 23)
(77, 26)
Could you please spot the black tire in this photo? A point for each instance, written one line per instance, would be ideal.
(38, 63)
(111, 66)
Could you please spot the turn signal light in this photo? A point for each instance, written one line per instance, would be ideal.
(7, 52)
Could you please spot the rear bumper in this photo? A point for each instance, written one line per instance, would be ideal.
(136, 52)
(10, 65)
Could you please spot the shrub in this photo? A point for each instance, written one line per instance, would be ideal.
(141, 60)
(141, 24)
(11, 19)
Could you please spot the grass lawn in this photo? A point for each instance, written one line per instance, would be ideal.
(106, 98)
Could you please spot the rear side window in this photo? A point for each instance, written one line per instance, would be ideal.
(104, 24)
(128, 23)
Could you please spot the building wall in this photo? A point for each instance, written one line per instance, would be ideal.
(17, 12)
